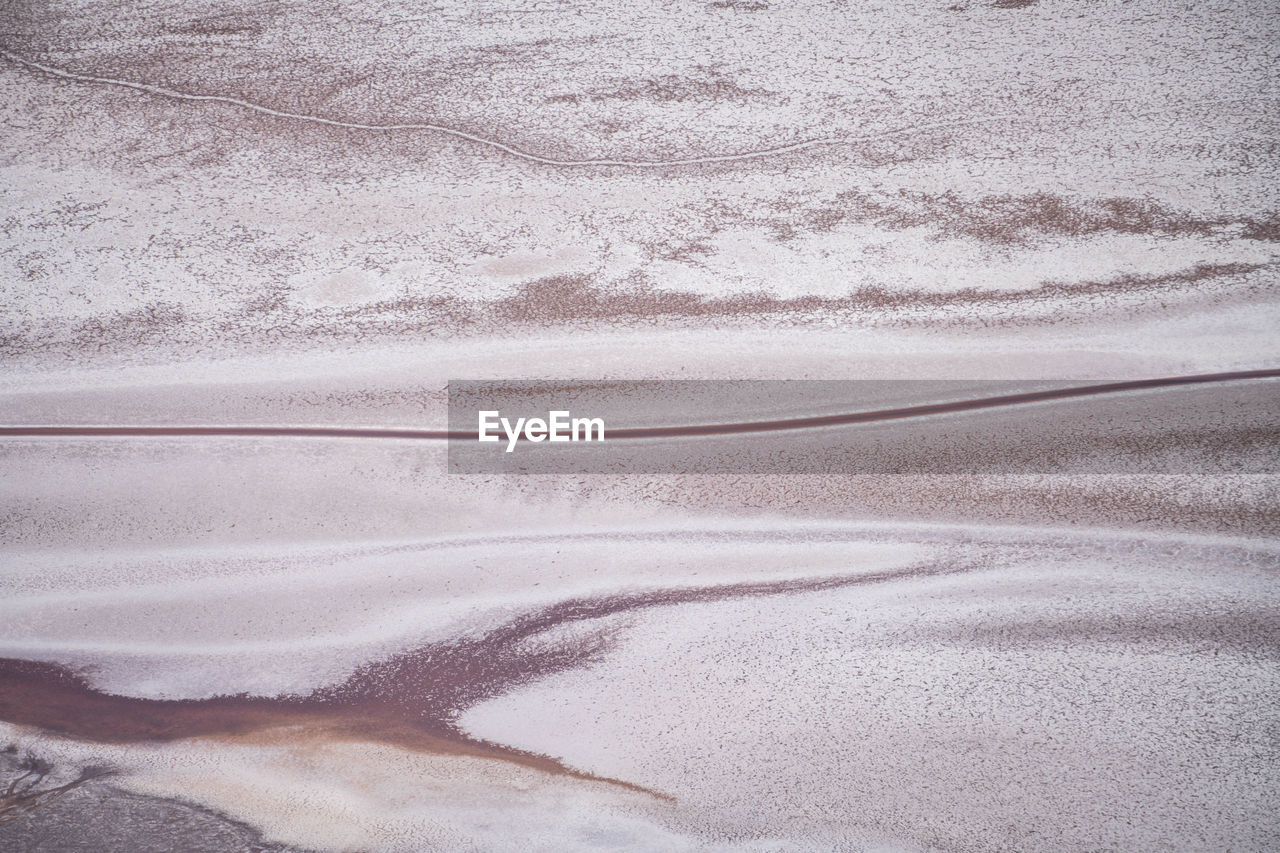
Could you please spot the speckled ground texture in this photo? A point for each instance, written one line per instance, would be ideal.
(292, 213)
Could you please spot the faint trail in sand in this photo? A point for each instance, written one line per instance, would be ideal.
(432, 127)
(738, 156)
(843, 419)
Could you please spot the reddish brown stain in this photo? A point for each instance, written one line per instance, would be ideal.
(412, 700)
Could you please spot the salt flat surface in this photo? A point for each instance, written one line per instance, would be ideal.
(1119, 698)
(307, 214)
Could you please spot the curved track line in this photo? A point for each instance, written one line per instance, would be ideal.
(514, 151)
(814, 422)
(435, 128)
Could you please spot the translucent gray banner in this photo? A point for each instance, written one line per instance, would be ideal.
(1222, 423)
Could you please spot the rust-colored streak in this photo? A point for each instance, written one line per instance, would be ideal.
(412, 699)
(55, 699)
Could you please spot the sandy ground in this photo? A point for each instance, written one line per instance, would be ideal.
(288, 214)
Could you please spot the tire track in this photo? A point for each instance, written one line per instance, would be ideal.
(503, 147)
(514, 151)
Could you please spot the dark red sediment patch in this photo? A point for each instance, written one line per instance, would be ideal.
(58, 700)
(412, 699)
(578, 299)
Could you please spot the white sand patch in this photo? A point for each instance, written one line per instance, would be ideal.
(351, 796)
(1064, 701)
(197, 622)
